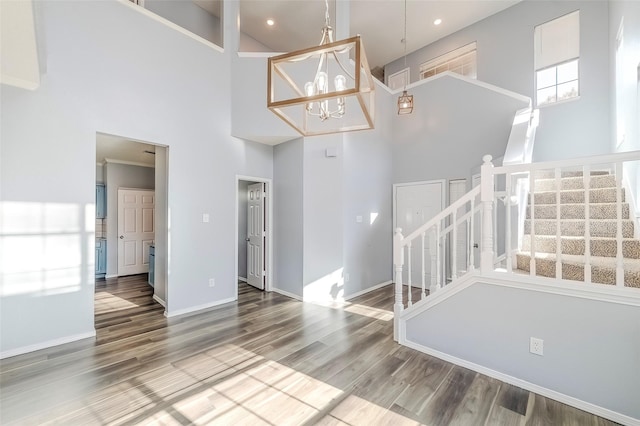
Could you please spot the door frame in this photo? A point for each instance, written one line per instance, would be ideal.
(269, 242)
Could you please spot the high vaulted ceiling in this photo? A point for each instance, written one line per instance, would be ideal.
(380, 22)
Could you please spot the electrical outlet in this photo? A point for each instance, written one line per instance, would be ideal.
(346, 278)
(212, 282)
(536, 346)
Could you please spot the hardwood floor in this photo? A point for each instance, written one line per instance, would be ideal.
(266, 359)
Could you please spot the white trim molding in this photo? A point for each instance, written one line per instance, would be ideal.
(367, 290)
(286, 293)
(557, 396)
(198, 308)
(47, 344)
(160, 301)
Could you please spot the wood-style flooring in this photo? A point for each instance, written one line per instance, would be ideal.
(265, 359)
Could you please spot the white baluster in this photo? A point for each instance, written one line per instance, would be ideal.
(532, 236)
(619, 238)
(433, 249)
(409, 273)
(454, 246)
(508, 221)
(558, 183)
(398, 260)
(424, 284)
(487, 198)
(472, 237)
(586, 178)
(438, 262)
(469, 266)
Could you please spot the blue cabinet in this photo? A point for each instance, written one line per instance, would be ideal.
(101, 256)
(101, 201)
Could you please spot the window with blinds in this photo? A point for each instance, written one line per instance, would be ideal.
(461, 61)
(557, 56)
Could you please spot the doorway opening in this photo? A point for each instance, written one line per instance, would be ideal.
(254, 224)
(131, 213)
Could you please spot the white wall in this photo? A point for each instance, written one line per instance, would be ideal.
(162, 223)
(189, 16)
(121, 176)
(591, 347)
(505, 58)
(130, 81)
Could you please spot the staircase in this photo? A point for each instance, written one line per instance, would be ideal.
(603, 229)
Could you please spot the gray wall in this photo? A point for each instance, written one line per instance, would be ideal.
(288, 216)
(99, 173)
(505, 58)
(121, 176)
(138, 91)
(367, 190)
(591, 348)
(189, 16)
(625, 86)
(447, 134)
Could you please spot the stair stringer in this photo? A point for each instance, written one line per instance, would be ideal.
(591, 333)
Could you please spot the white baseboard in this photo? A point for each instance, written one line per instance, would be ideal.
(199, 307)
(111, 276)
(47, 344)
(286, 293)
(549, 393)
(367, 290)
(160, 301)
(243, 279)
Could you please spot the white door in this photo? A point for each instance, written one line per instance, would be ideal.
(416, 203)
(256, 235)
(136, 230)
(398, 80)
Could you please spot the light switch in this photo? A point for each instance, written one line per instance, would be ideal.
(205, 217)
(358, 219)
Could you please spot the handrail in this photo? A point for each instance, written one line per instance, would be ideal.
(440, 216)
(573, 162)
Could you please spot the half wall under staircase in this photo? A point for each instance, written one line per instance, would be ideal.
(533, 277)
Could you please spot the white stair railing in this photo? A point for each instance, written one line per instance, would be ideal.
(479, 206)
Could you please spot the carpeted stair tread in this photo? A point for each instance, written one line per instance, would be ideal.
(550, 173)
(574, 196)
(575, 227)
(577, 211)
(605, 247)
(603, 269)
(569, 183)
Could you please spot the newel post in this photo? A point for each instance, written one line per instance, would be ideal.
(486, 198)
(398, 261)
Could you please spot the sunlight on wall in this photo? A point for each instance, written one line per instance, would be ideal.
(327, 289)
(372, 218)
(43, 247)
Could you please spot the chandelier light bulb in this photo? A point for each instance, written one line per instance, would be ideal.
(322, 82)
(340, 82)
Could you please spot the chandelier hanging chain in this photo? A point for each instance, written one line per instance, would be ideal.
(405, 41)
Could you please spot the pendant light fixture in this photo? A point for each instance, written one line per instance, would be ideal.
(405, 101)
(323, 89)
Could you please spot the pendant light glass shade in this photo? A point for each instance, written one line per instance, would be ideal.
(405, 103)
(321, 90)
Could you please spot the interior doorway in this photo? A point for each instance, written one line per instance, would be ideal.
(254, 224)
(124, 164)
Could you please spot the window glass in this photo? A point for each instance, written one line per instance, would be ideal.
(568, 71)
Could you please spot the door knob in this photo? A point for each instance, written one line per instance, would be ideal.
(122, 237)
(247, 239)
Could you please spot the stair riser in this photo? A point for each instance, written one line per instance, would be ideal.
(606, 181)
(606, 195)
(576, 211)
(549, 174)
(608, 229)
(599, 247)
(599, 274)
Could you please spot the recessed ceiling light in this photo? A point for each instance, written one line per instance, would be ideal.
(270, 22)
(437, 21)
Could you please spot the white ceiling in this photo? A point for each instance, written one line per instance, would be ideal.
(120, 149)
(380, 22)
